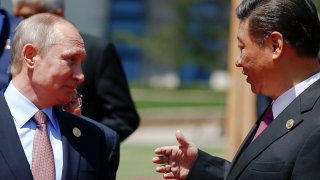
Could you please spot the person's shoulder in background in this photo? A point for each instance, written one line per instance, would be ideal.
(106, 93)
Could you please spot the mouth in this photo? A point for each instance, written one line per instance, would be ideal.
(72, 87)
(244, 72)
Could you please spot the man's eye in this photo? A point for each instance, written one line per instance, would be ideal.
(240, 48)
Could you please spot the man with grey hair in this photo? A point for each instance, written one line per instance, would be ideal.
(106, 94)
(39, 141)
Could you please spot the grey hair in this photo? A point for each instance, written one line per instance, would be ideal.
(37, 30)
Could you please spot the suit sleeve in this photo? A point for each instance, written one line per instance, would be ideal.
(308, 160)
(113, 89)
(207, 167)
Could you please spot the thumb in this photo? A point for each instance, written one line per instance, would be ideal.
(181, 139)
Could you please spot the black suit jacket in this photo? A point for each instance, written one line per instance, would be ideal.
(279, 152)
(106, 95)
(84, 157)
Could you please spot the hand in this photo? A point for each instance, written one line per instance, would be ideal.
(74, 110)
(176, 161)
(74, 106)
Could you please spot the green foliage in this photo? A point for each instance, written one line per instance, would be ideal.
(180, 98)
(317, 3)
(188, 35)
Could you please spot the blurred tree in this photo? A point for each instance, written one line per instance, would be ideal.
(195, 31)
(317, 3)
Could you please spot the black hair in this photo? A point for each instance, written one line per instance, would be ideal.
(296, 20)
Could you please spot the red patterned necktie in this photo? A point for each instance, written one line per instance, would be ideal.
(42, 154)
(266, 120)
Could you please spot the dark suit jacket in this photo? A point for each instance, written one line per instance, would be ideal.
(278, 153)
(6, 32)
(262, 102)
(106, 95)
(84, 157)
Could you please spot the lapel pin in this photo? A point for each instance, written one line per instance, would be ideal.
(289, 124)
(76, 132)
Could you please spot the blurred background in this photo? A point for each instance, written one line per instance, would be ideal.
(179, 59)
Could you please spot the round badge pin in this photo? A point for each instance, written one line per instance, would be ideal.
(76, 132)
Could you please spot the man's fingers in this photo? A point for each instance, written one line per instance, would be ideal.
(76, 111)
(164, 169)
(160, 160)
(181, 139)
(169, 175)
(166, 150)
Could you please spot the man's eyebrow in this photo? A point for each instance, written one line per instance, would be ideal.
(74, 51)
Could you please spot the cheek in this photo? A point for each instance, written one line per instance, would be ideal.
(62, 70)
(247, 60)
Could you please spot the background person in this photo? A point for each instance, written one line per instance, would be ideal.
(106, 94)
(279, 43)
(8, 23)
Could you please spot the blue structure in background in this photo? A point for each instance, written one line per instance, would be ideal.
(205, 18)
(128, 16)
(190, 72)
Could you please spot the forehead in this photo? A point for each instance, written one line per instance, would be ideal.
(68, 39)
(243, 30)
(68, 34)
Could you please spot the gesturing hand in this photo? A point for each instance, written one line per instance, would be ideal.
(176, 161)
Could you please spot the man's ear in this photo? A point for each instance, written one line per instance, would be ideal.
(277, 43)
(29, 54)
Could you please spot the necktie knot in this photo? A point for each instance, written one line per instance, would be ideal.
(40, 118)
(265, 121)
(268, 116)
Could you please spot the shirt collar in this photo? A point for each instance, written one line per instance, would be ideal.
(22, 109)
(286, 98)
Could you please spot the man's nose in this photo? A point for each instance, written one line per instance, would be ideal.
(238, 62)
(78, 75)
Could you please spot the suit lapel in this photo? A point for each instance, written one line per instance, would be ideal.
(244, 144)
(275, 130)
(71, 156)
(11, 149)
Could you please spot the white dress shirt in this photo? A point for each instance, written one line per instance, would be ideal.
(286, 98)
(23, 110)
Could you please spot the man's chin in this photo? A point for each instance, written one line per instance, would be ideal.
(254, 90)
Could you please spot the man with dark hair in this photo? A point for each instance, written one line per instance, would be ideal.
(279, 42)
